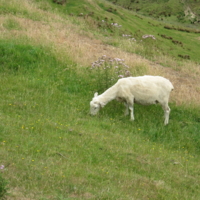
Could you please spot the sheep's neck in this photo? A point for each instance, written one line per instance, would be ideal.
(108, 95)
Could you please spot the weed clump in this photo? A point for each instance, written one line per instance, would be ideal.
(106, 71)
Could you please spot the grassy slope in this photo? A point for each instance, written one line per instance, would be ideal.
(53, 149)
(166, 10)
(156, 28)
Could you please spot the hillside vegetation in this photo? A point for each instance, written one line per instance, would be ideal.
(51, 148)
(186, 11)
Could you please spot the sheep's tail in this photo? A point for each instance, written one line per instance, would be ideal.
(172, 87)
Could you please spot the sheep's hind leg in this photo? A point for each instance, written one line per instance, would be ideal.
(131, 108)
(130, 103)
(132, 114)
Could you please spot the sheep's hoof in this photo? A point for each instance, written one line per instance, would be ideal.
(165, 123)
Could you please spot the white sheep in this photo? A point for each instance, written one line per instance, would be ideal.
(143, 90)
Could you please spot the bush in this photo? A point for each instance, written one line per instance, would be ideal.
(106, 71)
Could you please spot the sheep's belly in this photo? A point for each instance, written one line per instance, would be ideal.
(146, 101)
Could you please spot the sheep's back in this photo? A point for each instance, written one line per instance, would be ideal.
(145, 89)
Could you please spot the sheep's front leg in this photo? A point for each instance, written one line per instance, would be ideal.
(167, 112)
(126, 110)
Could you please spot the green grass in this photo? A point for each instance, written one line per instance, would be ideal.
(132, 23)
(11, 24)
(163, 9)
(53, 149)
(137, 25)
(3, 185)
(21, 10)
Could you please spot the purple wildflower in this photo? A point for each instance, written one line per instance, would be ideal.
(2, 167)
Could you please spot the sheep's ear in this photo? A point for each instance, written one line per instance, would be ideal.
(95, 94)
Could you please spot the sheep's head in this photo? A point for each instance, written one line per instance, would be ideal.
(95, 105)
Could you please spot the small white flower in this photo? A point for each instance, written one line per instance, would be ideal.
(2, 167)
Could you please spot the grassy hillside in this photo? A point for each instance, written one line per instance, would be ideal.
(51, 148)
(186, 12)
